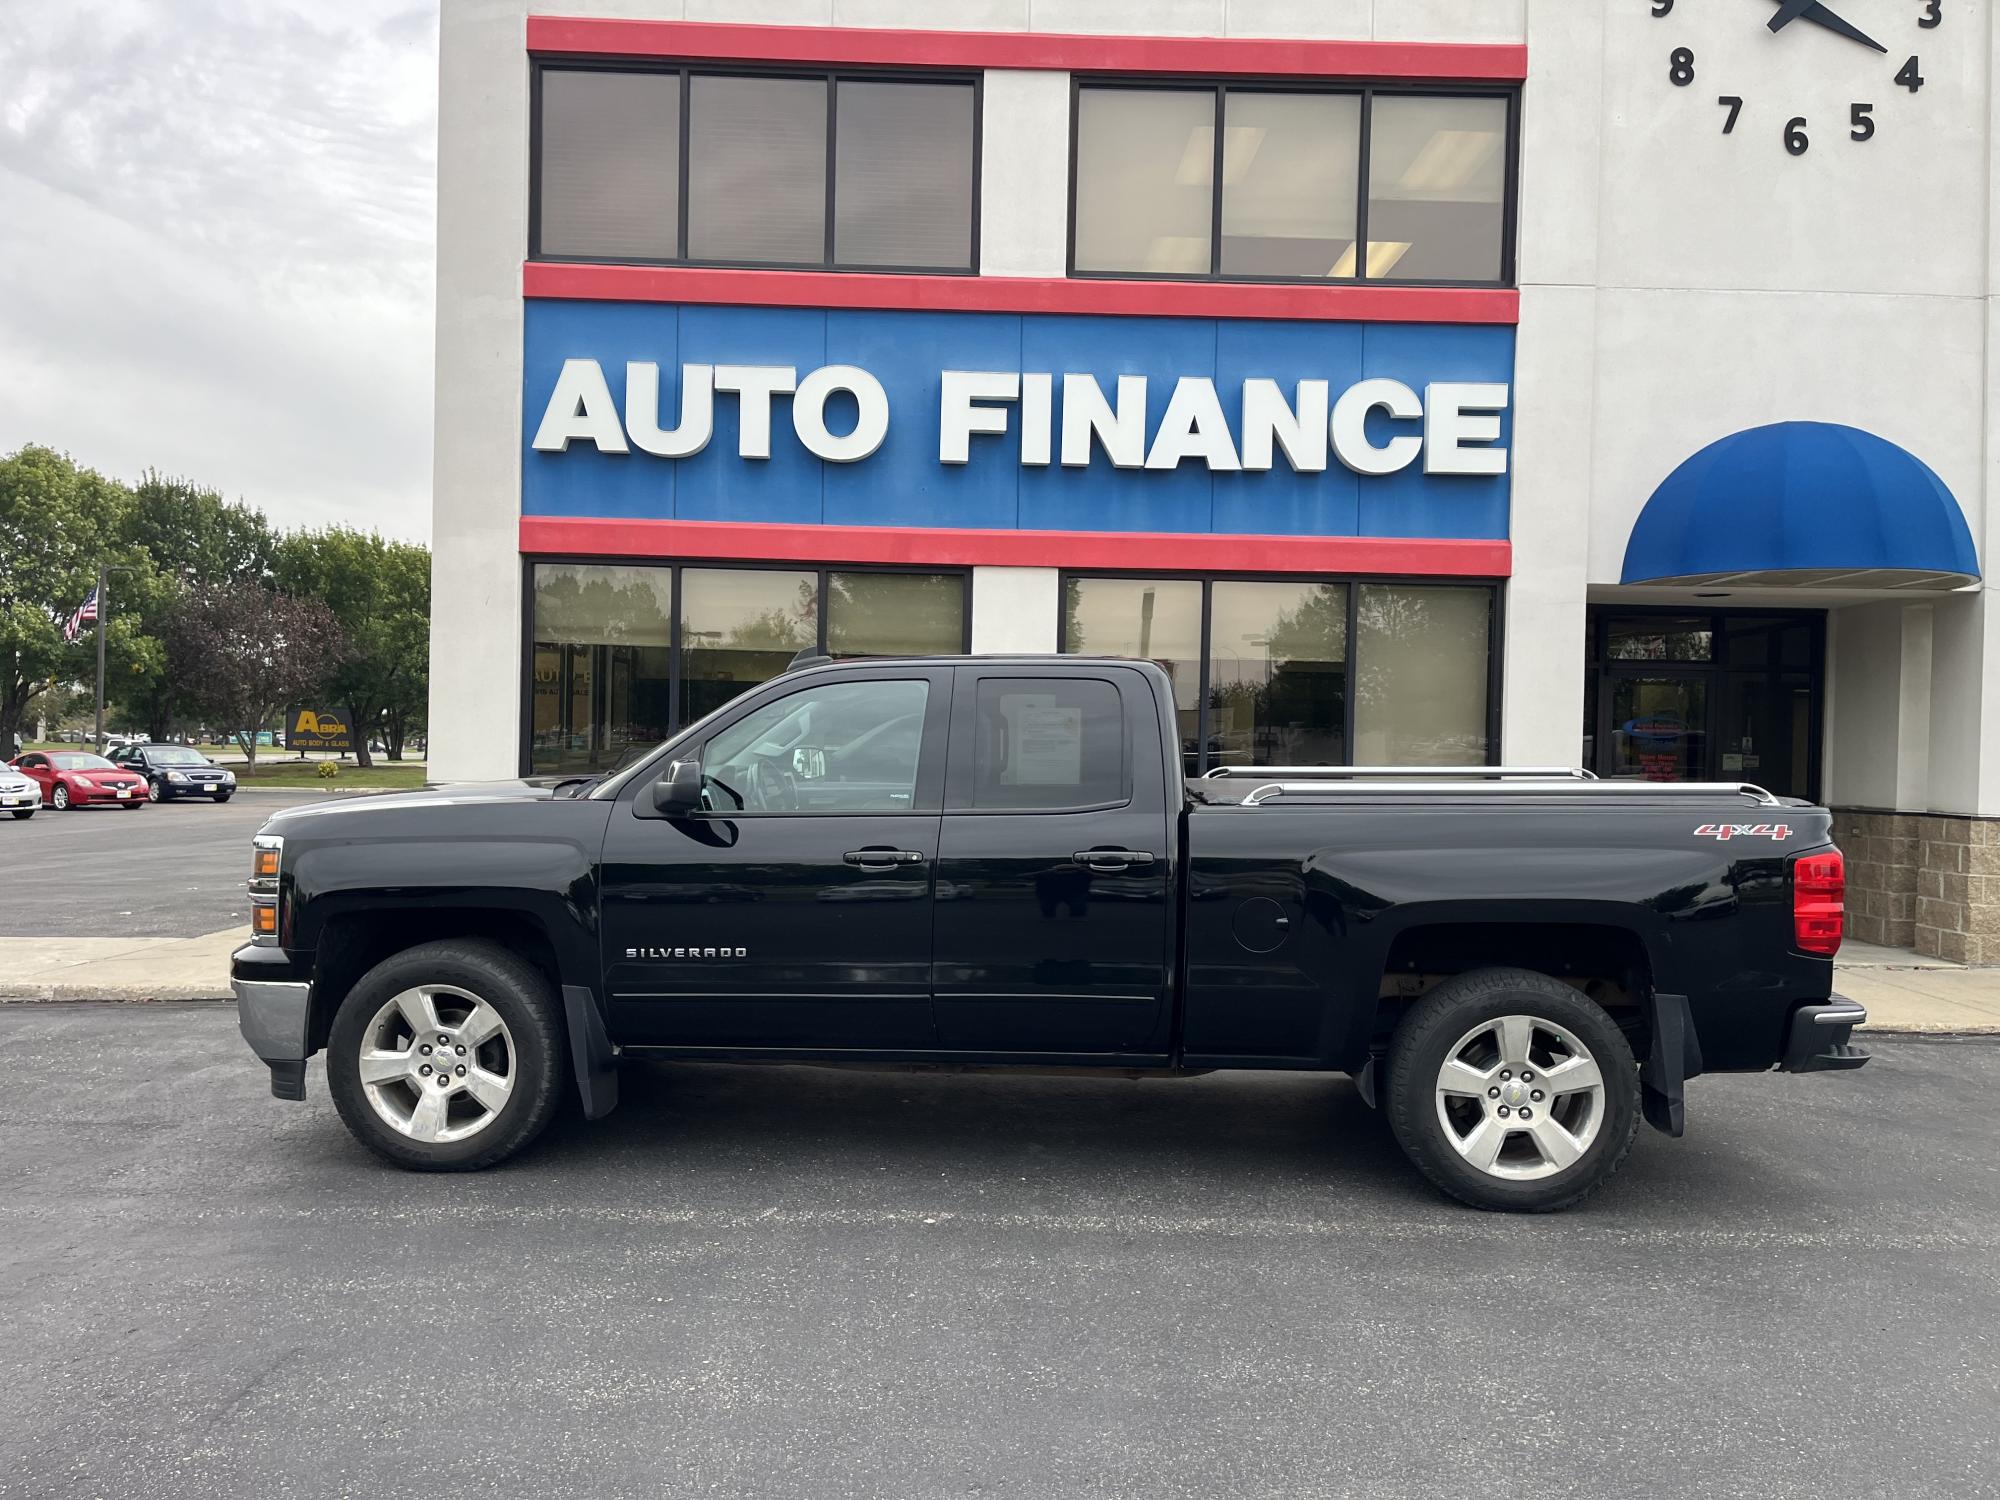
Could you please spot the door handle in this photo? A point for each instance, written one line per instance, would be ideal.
(1112, 861)
(882, 859)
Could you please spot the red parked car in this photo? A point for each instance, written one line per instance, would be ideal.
(76, 778)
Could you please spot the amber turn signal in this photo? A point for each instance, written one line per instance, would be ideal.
(264, 864)
(264, 921)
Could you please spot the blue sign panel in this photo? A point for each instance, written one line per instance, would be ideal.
(1016, 421)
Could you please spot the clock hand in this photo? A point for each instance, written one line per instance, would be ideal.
(1820, 15)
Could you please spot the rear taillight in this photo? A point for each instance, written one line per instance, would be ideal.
(1819, 902)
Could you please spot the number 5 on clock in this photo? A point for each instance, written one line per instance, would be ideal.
(1734, 104)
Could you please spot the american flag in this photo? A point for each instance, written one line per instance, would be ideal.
(86, 614)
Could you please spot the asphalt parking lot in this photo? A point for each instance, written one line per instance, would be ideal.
(794, 1282)
(171, 869)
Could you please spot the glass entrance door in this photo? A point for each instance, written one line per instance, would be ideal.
(1659, 727)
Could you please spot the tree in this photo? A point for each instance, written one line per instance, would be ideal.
(192, 538)
(246, 654)
(58, 523)
(380, 593)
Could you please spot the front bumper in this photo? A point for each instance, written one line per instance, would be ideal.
(273, 1015)
(1817, 1038)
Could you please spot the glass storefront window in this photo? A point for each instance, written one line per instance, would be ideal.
(1147, 619)
(1291, 176)
(1437, 182)
(895, 614)
(1145, 174)
(740, 627)
(601, 659)
(1420, 655)
(1659, 637)
(1277, 674)
(1659, 727)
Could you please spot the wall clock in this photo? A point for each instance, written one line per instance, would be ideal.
(1879, 63)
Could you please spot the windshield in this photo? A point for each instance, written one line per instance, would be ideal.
(75, 762)
(176, 758)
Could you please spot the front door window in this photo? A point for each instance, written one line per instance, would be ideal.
(1658, 728)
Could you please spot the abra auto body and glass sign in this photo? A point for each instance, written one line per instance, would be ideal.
(1453, 425)
(1025, 421)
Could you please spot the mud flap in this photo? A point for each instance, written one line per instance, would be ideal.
(590, 1049)
(1672, 1057)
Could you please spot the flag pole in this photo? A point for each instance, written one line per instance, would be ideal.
(103, 608)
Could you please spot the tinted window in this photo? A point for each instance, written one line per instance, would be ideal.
(610, 164)
(1144, 180)
(849, 747)
(1048, 743)
(174, 758)
(902, 190)
(1659, 638)
(1277, 674)
(1156, 619)
(1437, 177)
(757, 170)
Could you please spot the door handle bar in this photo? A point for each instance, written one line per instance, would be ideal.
(882, 859)
(1108, 860)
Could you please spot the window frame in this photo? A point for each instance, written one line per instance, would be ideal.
(675, 566)
(1353, 582)
(1367, 90)
(688, 70)
(963, 766)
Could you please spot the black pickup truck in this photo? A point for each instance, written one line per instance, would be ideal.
(997, 861)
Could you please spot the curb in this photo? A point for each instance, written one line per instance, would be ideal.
(110, 994)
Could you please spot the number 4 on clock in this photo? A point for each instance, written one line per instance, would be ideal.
(1734, 104)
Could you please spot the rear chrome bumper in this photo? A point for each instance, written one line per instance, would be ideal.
(1817, 1039)
(272, 1016)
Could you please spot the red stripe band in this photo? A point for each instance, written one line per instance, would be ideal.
(1021, 294)
(862, 46)
(1413, 557)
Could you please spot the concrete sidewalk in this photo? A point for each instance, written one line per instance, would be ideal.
(1903, 992)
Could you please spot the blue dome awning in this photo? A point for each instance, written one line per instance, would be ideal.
(1800, 504)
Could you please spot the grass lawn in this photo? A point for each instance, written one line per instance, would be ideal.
(380, 777)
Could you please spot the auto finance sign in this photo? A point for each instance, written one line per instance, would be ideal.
(1003, 420)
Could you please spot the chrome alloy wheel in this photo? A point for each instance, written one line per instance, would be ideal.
(1520, 1097)
(438, 1064)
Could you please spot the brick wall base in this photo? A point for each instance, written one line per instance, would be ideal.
(1923, 881)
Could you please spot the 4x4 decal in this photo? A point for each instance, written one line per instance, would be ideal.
(1726, 831)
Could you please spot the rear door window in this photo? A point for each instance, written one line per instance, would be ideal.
(1048, 744)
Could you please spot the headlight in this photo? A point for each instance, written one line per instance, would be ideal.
(176, 776)
(230, 777)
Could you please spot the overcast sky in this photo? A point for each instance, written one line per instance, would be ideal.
(216, 230)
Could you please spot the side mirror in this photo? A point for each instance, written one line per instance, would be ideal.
(809, 763)
(678, 793)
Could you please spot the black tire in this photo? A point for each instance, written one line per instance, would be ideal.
(1424, 1042)
(156, 793)
(22, 814)
(131, 806)
(223, 796)
(512, 987)
(59, 799)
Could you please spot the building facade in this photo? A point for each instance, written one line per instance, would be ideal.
(1420, 381)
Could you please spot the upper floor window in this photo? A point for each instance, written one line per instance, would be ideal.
(802, 171)
(1358, 184)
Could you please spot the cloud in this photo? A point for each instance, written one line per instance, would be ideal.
(216, 247)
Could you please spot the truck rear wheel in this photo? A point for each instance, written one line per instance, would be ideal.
(1509, 1090)
(447, 1057)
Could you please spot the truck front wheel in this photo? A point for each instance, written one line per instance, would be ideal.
(447, 1057)
(1510, 1090)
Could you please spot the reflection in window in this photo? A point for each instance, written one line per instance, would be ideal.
(1660, 638)
(1291, 171)
(1145, 174)
(1277, 674)
(757, 170)
(1437, 175)
(895, 614)
(847, 747)
(740, 627)
(610, 164)
(1147, 619)
(1420, 654)
(902, 188)
(600, 664)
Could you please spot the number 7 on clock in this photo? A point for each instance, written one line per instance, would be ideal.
(1734, 104)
